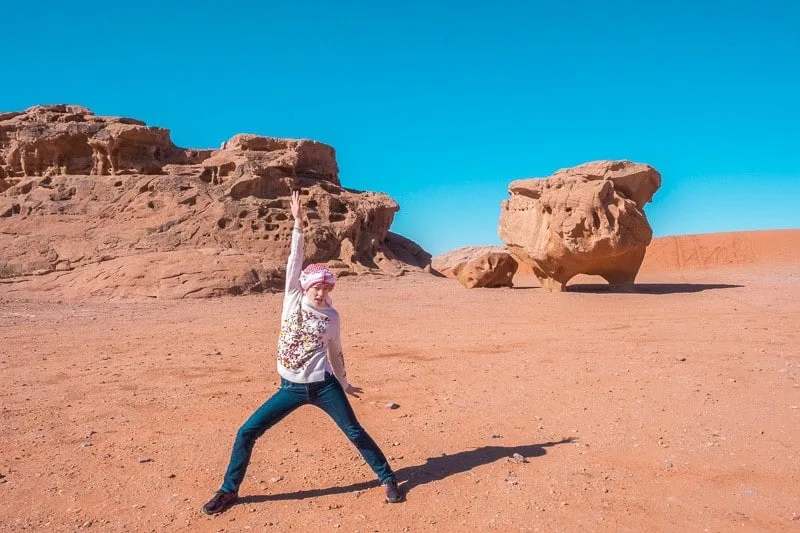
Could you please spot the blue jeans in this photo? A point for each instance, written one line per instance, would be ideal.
(329, 396)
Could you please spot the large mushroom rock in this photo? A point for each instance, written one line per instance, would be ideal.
(584, 220)
(61, 232)
(478, 266)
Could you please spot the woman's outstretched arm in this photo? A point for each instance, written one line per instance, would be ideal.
(294, 265)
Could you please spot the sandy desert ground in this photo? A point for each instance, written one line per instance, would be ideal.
(675, 408)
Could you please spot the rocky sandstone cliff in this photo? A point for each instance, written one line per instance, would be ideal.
(109, 206)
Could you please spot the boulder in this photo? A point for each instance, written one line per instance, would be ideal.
(478, 266)
(492, 269)
(584, 220)
(447, 262)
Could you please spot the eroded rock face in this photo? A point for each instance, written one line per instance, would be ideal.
(245, 158)
(106, 206)
(68, 139)
(584, 220)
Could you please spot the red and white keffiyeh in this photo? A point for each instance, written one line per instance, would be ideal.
(316, 274)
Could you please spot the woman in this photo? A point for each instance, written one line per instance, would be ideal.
(311, 366)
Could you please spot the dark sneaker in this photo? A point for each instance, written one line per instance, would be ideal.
(220, 502)
(393, 494)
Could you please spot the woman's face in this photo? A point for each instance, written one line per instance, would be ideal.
(317, 294)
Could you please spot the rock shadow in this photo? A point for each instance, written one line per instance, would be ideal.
(652, 288)
(433, 469)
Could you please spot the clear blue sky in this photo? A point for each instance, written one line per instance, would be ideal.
(441, 104)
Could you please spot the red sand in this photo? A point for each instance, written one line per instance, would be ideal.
(710, 250)
(675, 408)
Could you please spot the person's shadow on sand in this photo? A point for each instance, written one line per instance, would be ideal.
(434, 469)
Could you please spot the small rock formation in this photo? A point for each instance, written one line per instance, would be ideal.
(478, 266)
(447, 262)
(111, 207)
(488, 270)
(584, 220)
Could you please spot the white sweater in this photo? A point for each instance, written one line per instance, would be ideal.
(310, 342)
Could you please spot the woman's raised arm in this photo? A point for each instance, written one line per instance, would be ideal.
(294, 265)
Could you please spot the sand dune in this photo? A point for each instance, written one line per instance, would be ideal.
(709, 250)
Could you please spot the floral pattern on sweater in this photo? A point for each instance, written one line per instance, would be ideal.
(302, 335)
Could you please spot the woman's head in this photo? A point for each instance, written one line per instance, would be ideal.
(317, 281)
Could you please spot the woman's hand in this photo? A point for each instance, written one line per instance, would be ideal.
(296, 207)
(354, 391)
